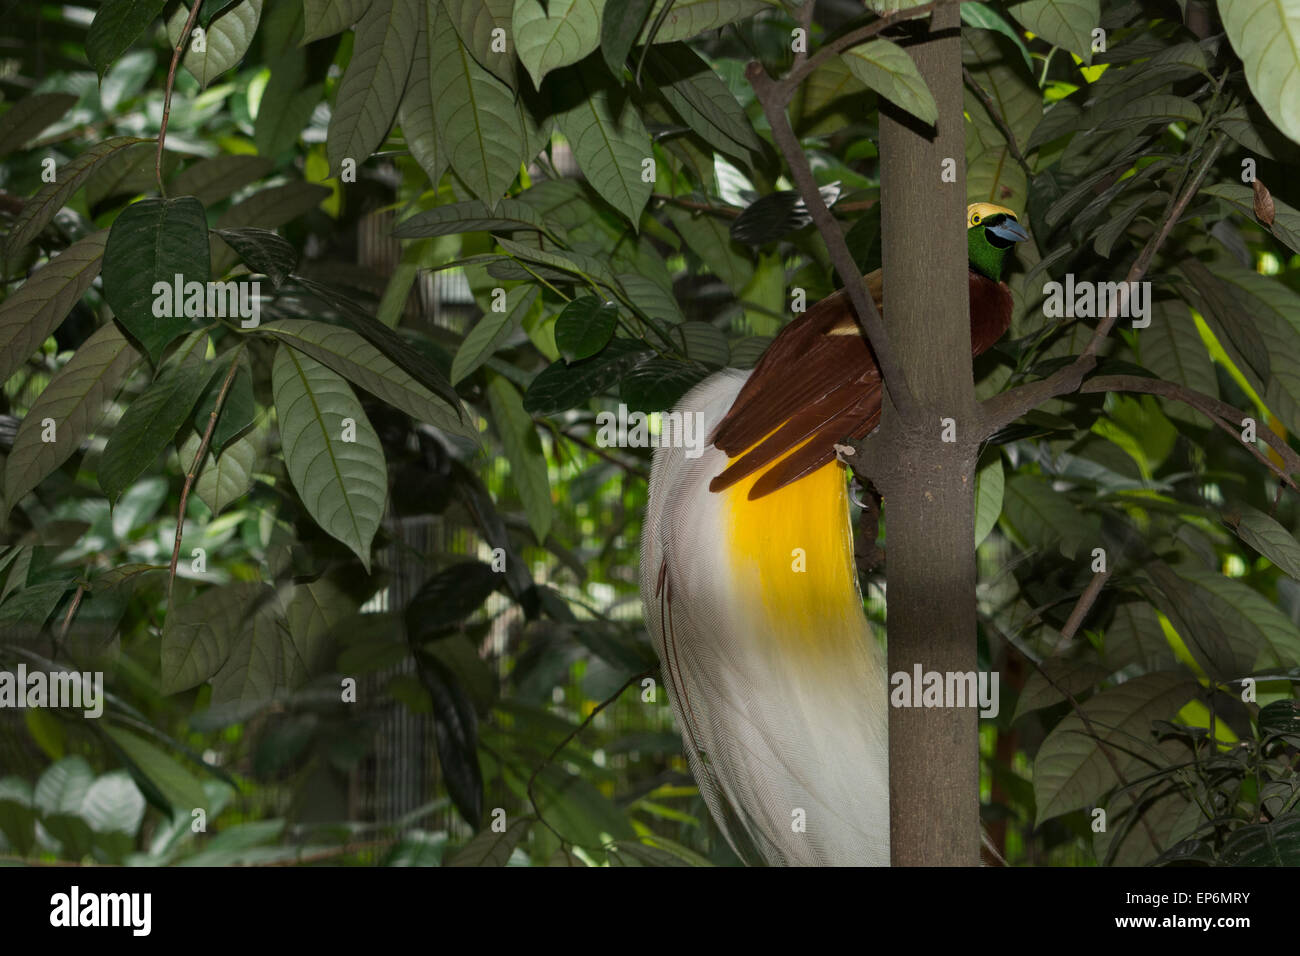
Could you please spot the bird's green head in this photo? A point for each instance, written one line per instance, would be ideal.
(991, 231)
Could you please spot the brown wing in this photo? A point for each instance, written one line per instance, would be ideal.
(818, 383)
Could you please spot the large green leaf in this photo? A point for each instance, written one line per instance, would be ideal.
(416, 114)
(343, 484)
(227, 39)
(620, 22)
(475, 21)
(74, 401)
(1071, 769)
(197, 636)
(116, 25)
(688, 18)
(1286, 219)
(30, 315)
(212, 180)
(148, 426)
(262, 251)
(554, 34)
(1043, 517)
(509, 215)
(1266, 35)
(1257, 632)
(702, 99)
(491, 331)
(490, 848)
(584, 326)
(1271, 539)
(351, 356)
(608, 141)
(164, 775)
(709, 238)
(31, 114)
(327, 17)
(889, 70)
(313, 610)
(63, 786)
(478, 123)
(523, 450)
(1064, 23)
(227, 476)
(561, 386)
(50, 198)
(1172, 348)
(268, 208)
(286, 105)
(154, 241)
(375, 79)
(260, 657)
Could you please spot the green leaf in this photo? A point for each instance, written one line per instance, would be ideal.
(888, 69)
(1270, 539)
(50, 198)
(523, 450)
(374, 81)
(226, 40)
(29, 116)
(1071, 770)
(450, 596)
(983, 16)
(1264, 844)
(286, 106)
(1266, 35)
(343, 484)
(621, 21)
(153, 241)
(555, 34)
(1172, 348)
(704, 343)
(608, 141)
(314, 609)
(113, 804)
(475, 21)
(1068, 676)
(509, 215)
(688, 18)
(1286, 219)
(212, 180)
(702, 99)
(269, 208)
(478, 124)
(259, 658)
(238, 411)
(709, 238)
(992, 173)
(167, 777)
(227, 477)
(126, 173)
(656, 385)
(74, 401)
(651, 299)
(1043, 517)
(30, 315)
(116, 26)
(351, 356)
(561, 386)
(588, 267)
(197, 637)
(1153, 109)
(17, 818)
(1258, 633)
(489, 848)
(989, 485)
(325, 18)
(262, 251)
(1063, 23)
(416, 114)
(63, 786)
(148, 426)
(584, 326)
(490, 332)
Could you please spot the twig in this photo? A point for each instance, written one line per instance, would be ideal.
(196, 465)
(1081, 608)
(770, 96)
(67, 618)
(730, 212)
(996, 115)
(1003, 409)
(532, 797)
(1226, 416)
(167, 106)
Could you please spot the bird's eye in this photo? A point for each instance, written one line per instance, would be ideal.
(975, 219)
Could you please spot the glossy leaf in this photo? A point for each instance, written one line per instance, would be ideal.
(154, 241)
(74, 401)
(888, 69)
(343, 484)
(262, 251)
(584, 326)
(523, 450)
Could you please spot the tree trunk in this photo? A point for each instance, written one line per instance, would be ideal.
(928, 483)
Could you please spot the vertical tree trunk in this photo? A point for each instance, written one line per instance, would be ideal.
(928, 485)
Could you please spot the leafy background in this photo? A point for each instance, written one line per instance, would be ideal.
(557, 207)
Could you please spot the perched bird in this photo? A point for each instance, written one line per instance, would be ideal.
(750, 590)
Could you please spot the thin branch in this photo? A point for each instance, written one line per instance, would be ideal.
(1081, 608)
(1003, 409)
(1227, 417)
(729, 212)
(769, 96)
(532, 797)
(67, 618)
(167, 105)
(996, 115)
(197, 464)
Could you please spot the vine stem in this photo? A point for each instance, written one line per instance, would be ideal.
(196, 465)
(167, 112)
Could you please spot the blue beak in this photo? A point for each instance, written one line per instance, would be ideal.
(1010, 230)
